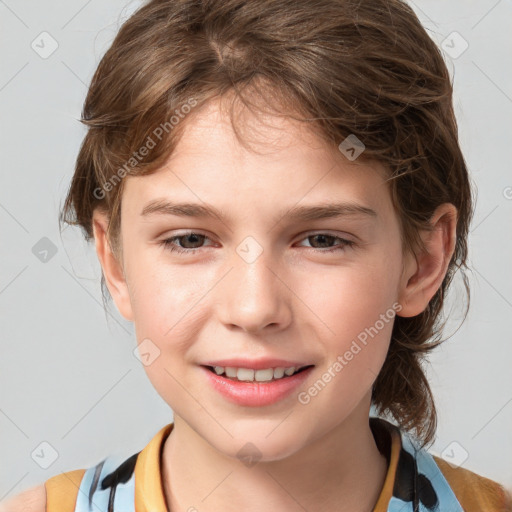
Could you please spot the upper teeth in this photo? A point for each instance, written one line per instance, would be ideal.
(255, 375)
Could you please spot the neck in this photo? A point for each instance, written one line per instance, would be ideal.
(342, 471)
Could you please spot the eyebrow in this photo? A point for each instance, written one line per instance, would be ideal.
(299, 213)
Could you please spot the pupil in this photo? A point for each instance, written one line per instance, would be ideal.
(193, 236)
(323, 238)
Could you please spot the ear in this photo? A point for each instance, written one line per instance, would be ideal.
(111, 266)
(423, 275)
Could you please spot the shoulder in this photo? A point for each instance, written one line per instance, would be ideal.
(58, 493)
(62, 490)
(30, 500)
(475, 492)
(112, 479)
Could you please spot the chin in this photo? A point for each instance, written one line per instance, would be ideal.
(257, 448)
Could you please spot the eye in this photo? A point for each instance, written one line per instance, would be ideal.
(196, 240)
(326, 238)
(189, 238)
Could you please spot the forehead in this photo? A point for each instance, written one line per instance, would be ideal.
(279, 161)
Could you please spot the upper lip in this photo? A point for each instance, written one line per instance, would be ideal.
(256, 364)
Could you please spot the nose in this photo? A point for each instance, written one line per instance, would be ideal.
(254, 297)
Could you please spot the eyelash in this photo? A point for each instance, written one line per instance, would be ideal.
(168, 243)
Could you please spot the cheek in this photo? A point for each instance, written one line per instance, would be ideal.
(166, 302)
(357, 307)
(167, 318)
(352, 299)
(153, 287)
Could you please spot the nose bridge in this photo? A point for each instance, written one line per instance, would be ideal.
(254, 295)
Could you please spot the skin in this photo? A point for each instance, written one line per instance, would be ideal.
(294, 301)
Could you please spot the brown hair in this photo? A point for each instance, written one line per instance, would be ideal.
(345, 67)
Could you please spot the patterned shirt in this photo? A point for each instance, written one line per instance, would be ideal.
(416, 481)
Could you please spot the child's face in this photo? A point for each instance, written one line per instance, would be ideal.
(295, 301)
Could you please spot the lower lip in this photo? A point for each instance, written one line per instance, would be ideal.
(256, 394)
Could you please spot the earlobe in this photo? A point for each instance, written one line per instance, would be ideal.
(424, 274)
(112, 268)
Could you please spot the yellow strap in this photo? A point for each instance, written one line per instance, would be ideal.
(62, 491)
(149, 493)
(387, 490)
(474, 492)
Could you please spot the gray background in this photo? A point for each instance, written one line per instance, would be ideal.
(68, 375)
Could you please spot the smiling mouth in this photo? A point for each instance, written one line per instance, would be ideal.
(249, 378)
